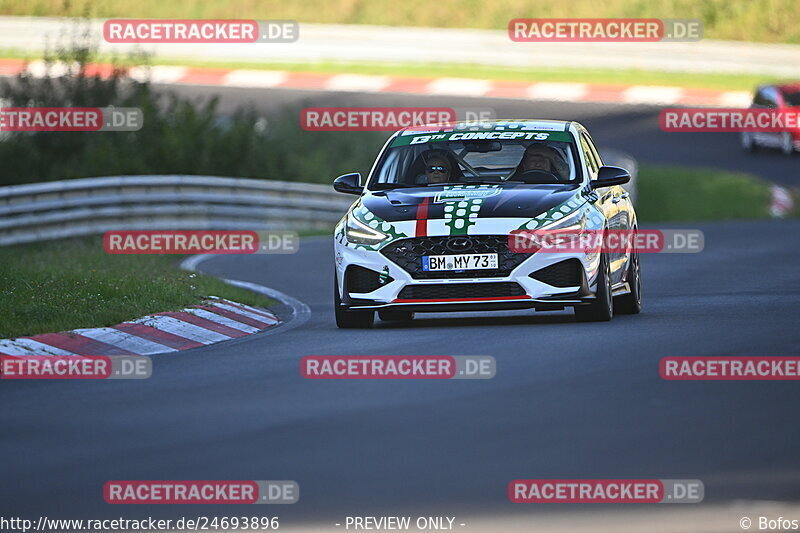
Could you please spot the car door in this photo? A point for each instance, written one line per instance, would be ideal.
(625, 215)
(606, 200)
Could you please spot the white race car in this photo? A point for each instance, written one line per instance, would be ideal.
(431, 229)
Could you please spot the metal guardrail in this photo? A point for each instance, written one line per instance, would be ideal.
(58, 209)
(69, 208)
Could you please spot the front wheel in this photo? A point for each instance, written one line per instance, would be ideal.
(601, 309)
(787, 144)
(346, 319)
(748, 142)
(631, 303)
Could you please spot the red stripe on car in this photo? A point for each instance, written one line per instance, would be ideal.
(422, 218)
(523, 297)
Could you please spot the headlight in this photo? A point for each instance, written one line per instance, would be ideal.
(357, 232)
(564, 232)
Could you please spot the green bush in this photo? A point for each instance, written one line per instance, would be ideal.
(179, 136)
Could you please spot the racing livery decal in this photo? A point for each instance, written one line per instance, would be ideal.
(411, 137)
(465, 192)
(556, 213)
(421, 229)
(506, 201)
(463, 205)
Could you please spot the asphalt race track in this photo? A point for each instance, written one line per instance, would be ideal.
(569, 400)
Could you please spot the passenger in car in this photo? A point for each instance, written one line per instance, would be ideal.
(541, 157)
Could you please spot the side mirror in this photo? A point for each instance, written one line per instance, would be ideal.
(348, 183)
(608, 176)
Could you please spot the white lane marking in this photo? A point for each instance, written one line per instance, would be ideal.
(191, 262)
(182, 329)
(643, 94)
(224, 321)
(158, 74)
(357, 83)
(40, 69)
(124, 340)
(254, 78)
(261, 312)
(30, 347)
(557, 91)
(459, 86)
(300, 311)
(243, 313)
(735, 99)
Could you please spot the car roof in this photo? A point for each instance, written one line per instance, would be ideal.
(499, 124)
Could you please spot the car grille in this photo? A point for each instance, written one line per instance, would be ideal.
(407, 253)
(562, 274)
(360, 279)
(461, 290)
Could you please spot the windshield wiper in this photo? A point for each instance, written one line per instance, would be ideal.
(490, 182)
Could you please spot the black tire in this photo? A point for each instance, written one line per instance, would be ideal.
(601, 309)
(787, 144)
(631, 303)
(748, 142)
(392, 315)
(350, 319)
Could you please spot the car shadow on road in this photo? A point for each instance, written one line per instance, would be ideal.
(437, 321)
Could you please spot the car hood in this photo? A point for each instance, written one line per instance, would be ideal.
(488, 201)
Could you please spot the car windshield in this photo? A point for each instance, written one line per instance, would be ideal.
(426, 159)
(792, 98)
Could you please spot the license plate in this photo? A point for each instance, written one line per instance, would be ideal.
(459, 262)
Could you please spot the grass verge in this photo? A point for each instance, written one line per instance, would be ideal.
(678, 194)
(753, 20)
(73, 283)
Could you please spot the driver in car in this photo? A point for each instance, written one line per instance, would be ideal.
(437, 169)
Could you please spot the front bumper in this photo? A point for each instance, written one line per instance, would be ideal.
(517, 290)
